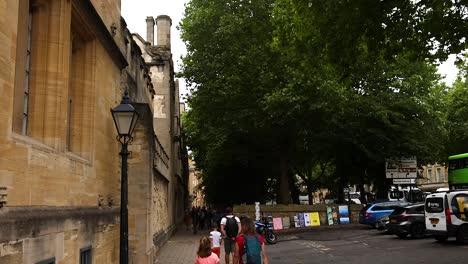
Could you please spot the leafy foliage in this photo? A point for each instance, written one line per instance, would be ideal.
(281, 86)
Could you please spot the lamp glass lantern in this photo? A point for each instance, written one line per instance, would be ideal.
(125, 117)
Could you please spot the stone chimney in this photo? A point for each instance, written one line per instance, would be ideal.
(164, 24)
(150, 30)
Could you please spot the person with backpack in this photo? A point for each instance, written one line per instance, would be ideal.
(250, 247)
(230, 228)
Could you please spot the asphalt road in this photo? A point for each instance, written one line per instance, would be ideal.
(362, 245)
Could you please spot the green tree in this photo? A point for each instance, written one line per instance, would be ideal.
(457, 113)
(280, 86)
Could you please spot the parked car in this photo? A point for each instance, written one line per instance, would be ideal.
(446, 215)
(408, 220)
(372, 212)
(382, 223)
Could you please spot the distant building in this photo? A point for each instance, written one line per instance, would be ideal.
(434, 176)
(197, 195)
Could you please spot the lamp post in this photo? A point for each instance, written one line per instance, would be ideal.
(125, 118)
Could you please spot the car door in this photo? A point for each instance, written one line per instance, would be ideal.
(435, 213)
(417, 214)
(459, 206)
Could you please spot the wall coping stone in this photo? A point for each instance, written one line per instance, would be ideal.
(22, 222)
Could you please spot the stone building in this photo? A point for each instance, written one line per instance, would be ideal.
(434, 176)
(197, 196)
(65, 64)
(160, 189)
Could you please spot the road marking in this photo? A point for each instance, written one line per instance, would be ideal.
(314, 245)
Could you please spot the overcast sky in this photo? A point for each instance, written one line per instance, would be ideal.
(136, 11)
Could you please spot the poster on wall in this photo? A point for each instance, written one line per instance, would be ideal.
(344, 214)
(277, 223)
(301, 220)
(286, 222)
(330, 215)
(307, 219)
(296, 221)
(314, 219)
(335, 215)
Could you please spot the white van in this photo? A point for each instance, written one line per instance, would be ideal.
(446, 215)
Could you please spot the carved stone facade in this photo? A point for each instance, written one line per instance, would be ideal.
(434, 176)
(197, 195)
(65, 64)
(168, 198)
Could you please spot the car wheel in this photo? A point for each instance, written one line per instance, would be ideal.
(441, 238)
(462, 234)
(418, 230)
(402, 235)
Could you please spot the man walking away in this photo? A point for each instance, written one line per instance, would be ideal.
(230, 228)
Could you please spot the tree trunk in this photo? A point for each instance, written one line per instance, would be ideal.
(362, 194)
(293, 188)
(310, 193)
(284, 197)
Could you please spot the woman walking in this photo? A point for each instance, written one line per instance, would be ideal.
(250, 247)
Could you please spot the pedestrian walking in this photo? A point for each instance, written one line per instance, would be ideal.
(194, 219)
(216, 241)
(230, 228)
(250, 246)
(204, 254)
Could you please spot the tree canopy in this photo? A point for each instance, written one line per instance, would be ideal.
(280, 87)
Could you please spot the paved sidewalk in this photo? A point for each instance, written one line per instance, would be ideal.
(181, 248)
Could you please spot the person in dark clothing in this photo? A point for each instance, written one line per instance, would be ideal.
(194, 214)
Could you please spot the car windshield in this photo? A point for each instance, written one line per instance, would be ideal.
(363, 210)
(434, 205)
(395, 194)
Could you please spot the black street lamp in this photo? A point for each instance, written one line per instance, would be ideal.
(125, 118)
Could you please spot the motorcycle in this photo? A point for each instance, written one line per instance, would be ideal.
(265, 229)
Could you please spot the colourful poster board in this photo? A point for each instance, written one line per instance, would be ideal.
(286, 222)
(335, 215)
(277, 223)
(301, 219)
(344, 214)
(314, 219)
(306, 219)
(330, 216)
(296, 221)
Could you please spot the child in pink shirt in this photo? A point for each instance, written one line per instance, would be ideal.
(204, 254)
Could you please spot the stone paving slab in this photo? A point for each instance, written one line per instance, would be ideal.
(181, 248)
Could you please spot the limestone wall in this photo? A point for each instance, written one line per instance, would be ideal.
(30, 235)
(62, 172)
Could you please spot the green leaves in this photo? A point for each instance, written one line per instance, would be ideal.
(348, 83)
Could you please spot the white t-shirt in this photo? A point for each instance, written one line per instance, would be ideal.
(216, 236)
(224, 220)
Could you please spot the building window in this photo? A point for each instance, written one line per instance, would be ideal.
(23, 68)
(47, 261)
(86, 255)
(429, 175)
(80, 100)
(438, 178)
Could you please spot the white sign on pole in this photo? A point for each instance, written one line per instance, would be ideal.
(404, 181)
(257, 211)
(404, 168)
